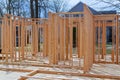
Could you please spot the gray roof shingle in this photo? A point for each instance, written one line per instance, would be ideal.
(77, 8)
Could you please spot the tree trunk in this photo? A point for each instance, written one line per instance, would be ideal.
(36, 8)
(31, 8)
(9, 8)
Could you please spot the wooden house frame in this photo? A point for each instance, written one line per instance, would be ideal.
(56, 46)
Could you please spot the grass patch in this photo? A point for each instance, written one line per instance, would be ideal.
(108, 51)
(107, 45)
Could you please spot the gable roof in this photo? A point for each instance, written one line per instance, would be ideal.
(77, 8)
(93, 11)
(80, 8)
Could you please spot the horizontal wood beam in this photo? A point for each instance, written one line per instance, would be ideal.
(15, 70)
(69, 13)
(80, 74)
(30, 74)
(31, 77)
(44, 65)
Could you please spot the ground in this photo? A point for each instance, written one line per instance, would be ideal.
(104, 69)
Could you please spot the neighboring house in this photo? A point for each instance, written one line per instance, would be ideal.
(79, 8)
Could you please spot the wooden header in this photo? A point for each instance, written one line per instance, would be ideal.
(105, 17)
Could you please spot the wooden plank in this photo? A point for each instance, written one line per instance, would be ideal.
(103, 40)
(15, 41)
(49, 38)
(94, 41)
(104, 17)
(3, 40)
(56, 38)
(71, 37)
(52, 47)
(45, 65)
(79, 38)
(7, 39)
(117, 37)
(36, 37)
(14, 33)
(62, 48)
(79, 74)
(11, 39)
(45, 78)
(15, 70)
(45, 41)
(53, 40)
(19, 41)
(70, 13)
(66, 37)
(72, 74)
(88, 39)
(113, 39)
(99, 51)
(22, 39)
(30, 74)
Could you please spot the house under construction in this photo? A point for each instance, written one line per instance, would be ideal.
(67, 39)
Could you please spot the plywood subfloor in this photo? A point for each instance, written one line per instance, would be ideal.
(107, 69)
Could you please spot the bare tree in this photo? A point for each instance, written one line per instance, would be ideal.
(43, 6)
(14, 7)
(32, 8)
(115, 4)
(58, 5)
(40, 8)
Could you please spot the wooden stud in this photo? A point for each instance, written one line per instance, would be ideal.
(103, 40)
(71, 37)
(67, 27)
